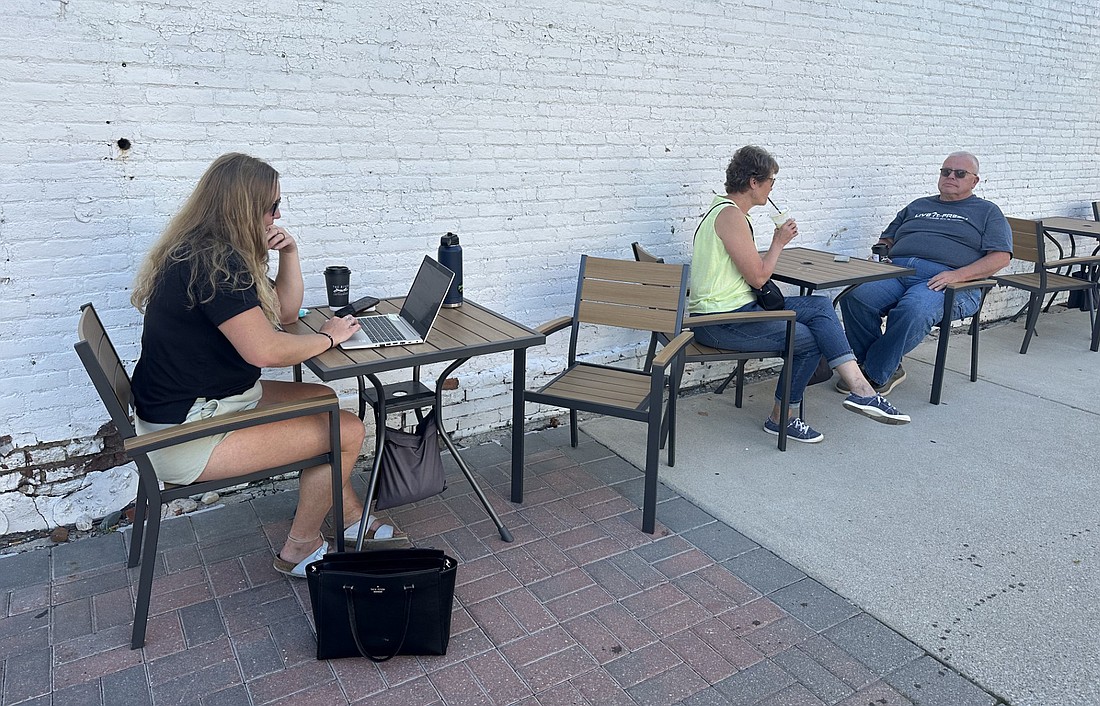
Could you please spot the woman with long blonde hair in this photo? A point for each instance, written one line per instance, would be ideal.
(210, 325)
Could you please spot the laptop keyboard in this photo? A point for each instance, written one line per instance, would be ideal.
(380, 329)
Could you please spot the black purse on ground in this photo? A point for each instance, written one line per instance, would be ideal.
(411, 467)
(382, 603)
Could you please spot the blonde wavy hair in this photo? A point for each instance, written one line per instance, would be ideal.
(223, 218)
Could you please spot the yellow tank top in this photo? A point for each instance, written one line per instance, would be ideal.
(716, 283)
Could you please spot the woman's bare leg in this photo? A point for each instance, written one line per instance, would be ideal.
(851, 374)
(855, 379)
(256, 448)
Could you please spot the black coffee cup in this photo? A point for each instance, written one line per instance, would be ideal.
(337, 285)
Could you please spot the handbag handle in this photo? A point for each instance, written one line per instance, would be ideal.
(349, 592)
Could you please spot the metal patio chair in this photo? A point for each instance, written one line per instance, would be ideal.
(642, 296)
(696, 352)
(1029, 243)
(112, 382)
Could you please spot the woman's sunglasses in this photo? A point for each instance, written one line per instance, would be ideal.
(275, 208)
(959, 173)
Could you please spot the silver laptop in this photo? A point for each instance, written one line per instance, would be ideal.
(417, 315)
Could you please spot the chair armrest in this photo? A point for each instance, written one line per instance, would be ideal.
(1071, 261)
(189, 431)
(674, 346)
(739, 316)
(555, 325)
(971, 284)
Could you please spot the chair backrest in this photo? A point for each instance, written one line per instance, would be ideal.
(1026, 236)
(104, 367)
(643, 255)
(647, 296)
(1096, 210)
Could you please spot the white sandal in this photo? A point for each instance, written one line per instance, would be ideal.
(299, 570)
(382, 533)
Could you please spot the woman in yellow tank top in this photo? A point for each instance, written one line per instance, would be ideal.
(725, 267)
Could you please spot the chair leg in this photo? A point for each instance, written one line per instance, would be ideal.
(145, 578)
(739, 397)
(673, 393)
(140, 510)
(941, 349)
(785, 401)
(650, 353)
(975, 330)
(725, 383)
(1032, 317)
(668, 422)
(653, 438)
(1094, 305)
(573, 428)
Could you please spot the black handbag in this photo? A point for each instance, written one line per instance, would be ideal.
(1079, 298)
(823, 373)
(382, 603)
(769, 297)
(411, 467)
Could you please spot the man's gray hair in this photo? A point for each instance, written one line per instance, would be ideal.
(968, 155)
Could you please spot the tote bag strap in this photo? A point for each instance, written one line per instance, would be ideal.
(712, 209)
(349, 592)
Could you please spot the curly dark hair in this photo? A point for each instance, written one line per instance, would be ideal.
(749, 162)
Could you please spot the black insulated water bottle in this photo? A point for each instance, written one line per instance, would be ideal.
(450, 256)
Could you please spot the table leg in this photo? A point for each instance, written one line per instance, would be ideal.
(337, 479)
(504, 533)
(380, 438)
(519, 384)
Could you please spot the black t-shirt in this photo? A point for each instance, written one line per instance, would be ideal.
(183, 354)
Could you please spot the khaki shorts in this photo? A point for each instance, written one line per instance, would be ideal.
(182, 464)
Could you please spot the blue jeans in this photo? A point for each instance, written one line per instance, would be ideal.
(911, 310)
(817, 333)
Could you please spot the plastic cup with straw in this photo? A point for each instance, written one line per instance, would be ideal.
(780, 216)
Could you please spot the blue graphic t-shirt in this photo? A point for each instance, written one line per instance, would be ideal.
(952, 233)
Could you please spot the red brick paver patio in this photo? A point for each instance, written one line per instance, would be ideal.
(583, 608)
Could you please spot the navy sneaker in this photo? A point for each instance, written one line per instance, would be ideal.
(796, 429)
(876, 407)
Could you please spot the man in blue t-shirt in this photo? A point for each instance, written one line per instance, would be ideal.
(953, 237)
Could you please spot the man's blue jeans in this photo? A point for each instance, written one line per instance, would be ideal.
(817, 333)
(911, 310)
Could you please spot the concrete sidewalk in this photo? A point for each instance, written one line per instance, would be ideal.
(972, 531)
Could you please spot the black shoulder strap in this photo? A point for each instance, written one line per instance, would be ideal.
(712, 208)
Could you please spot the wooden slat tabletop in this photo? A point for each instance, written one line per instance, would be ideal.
(815, 269)
(463, 332)
(1073, 226)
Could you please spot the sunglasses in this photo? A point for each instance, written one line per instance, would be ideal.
(275, 208)
(959, 173)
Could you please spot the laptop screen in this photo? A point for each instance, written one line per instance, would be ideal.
(426, 295)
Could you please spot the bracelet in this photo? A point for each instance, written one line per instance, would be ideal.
(331, 341)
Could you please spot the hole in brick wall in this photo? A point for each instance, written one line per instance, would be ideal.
(123, 144)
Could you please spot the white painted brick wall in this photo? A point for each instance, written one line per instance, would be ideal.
(537, 131)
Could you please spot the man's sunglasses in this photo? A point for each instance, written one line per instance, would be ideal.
(275, 208)
(959, 173)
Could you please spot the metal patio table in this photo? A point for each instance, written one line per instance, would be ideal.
(459, 334)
